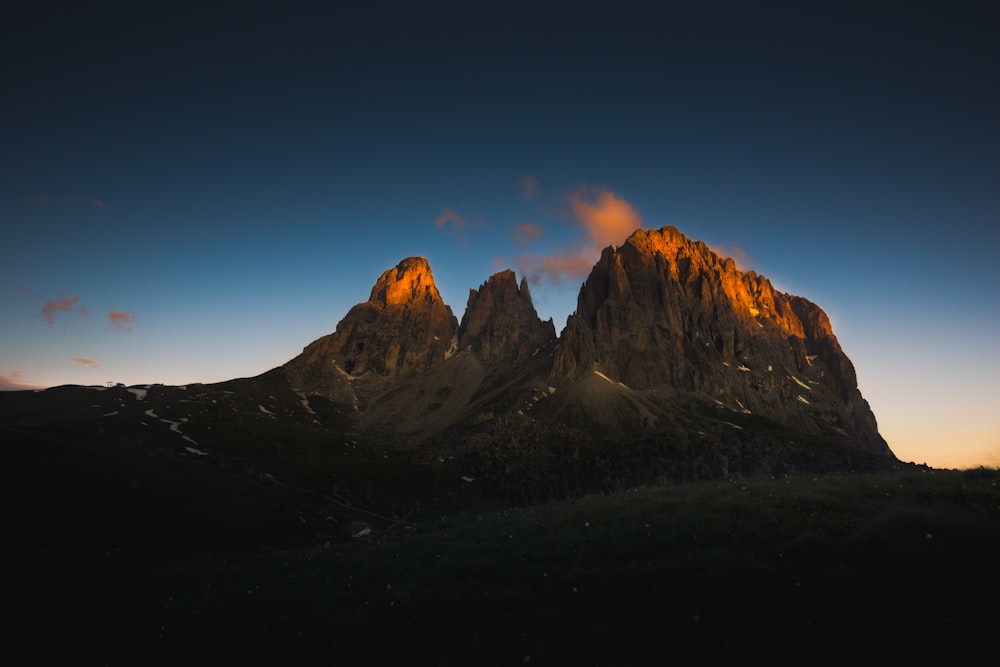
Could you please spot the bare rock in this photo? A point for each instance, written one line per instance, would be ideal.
(500, 322)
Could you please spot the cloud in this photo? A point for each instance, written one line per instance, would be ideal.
(449, 217)
(529, 187)
(13, 382)
(526, 232)
(601, 218)
(83, 361)
(122, 320)
(454, 223)
(62, 304)
(735, 252)
(44, 201)
(608, 219)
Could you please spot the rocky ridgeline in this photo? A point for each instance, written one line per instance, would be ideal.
(668, 339)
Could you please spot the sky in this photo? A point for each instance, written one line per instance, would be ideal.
(195, 192)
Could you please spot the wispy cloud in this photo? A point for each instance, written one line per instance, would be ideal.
(529, 187)
(458, 224)
(526, 232)
(735, 252)
(121, 320)
(44, 201)
(15, 382)
(450, 218)
(601, 218)
(61, 304)
(84, 361)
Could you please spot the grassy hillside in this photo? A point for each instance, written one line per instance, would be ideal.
(126, 548)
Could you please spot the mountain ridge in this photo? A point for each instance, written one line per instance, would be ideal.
(670, 345)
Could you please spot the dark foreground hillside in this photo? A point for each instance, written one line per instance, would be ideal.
(123, 551)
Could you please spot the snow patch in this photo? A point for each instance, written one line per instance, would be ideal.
(600, 374)
(110, 414)
(265, 410)
(799, 396)
(800, 383)
(139, 393)
(199, 452)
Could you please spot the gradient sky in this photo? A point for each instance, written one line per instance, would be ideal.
(193, 193)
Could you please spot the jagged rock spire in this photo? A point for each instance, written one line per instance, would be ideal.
(500, 321)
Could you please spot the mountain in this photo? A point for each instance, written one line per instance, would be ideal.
(664, 313)
(404, 329)
(676, 365)
(500, 322)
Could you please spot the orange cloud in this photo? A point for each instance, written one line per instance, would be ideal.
(603, 219)
(62, 304)
(121, 320)
(526, 232)
(608, 219)
(13, 382)
(83, 361)
(96, 202)
(529, 187)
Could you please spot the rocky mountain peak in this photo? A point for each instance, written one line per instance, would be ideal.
(664, 312)
(404, 329)
(408, 283)
(500, 322)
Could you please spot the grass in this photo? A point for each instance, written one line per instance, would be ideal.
(127, 551)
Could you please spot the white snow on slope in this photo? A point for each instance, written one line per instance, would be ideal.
(800, 383)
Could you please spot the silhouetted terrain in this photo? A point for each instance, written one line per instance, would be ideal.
(234, 524)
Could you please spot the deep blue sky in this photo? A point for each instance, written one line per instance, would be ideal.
(195, 192)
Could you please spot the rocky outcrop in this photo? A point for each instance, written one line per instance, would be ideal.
(666, 313)
(404, 329)
(500, 322)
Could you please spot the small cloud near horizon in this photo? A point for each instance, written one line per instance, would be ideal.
(14, 382)
(84, 361)
(121, 320)
(602, 218)
(62, 304)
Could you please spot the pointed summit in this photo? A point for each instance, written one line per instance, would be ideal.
(500, 321)
(404, 329)
(407, 284)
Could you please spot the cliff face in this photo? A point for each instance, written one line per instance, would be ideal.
(500, 322)
(664, 312)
